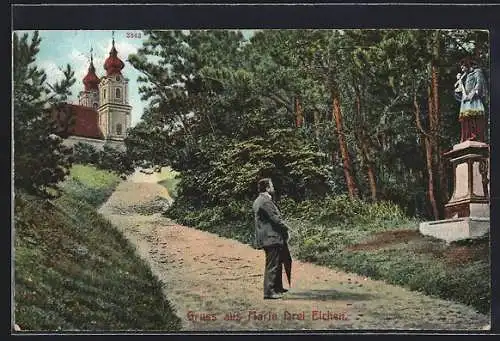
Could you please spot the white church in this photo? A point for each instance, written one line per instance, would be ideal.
(103, 113)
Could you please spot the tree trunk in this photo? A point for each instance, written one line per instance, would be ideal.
(428, 158)
(440, 168)
(348, 171)
(435, 158)
(369, 170)
(430, 173)
(299, 114)
(316, 124)
(365, 152)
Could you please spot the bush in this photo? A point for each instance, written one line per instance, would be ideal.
(218, 170)
(115, 160)
(109, 158)
(233, 221)
(341, 210)
(85, 154)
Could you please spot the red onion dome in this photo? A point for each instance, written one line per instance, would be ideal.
(91, 80)
(113, 64)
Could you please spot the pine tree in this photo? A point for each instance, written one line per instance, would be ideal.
(40, 159)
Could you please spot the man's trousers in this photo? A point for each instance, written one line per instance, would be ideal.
(273, 280)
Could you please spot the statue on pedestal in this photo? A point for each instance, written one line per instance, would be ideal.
(470, 91)
(467, 213)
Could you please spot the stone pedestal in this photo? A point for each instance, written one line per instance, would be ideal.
(471, 185)
(454, 229)
(467, 212)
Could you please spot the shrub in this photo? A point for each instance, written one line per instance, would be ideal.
(115, 160)
(109, 158)
(343, 211)
(85, 154)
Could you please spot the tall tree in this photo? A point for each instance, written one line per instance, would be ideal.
(40, 159)
(437, 166)
(327, 62)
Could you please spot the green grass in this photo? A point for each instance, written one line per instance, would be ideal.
(375, 240)
(421, 264)
(75, 271)
(169, 181)
(89, 185)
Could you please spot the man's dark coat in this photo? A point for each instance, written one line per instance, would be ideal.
(270, 229)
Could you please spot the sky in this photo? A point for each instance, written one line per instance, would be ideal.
(58, 48)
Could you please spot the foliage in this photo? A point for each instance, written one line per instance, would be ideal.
(215, 96)
(234, 220)
(108, 158)
(85, 153)
(115, 160)
(232, 173)
(467, 283)
(343, 210)
(40, 158)
(75, 271)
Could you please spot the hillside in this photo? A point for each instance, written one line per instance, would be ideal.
(75, 271)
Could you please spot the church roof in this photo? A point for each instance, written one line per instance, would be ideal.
(78, 120)
(91, 80)
(113, 64)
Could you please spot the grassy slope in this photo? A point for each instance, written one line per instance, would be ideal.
(401, 256)
(74, 271)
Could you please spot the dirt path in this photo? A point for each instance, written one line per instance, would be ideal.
(207, 278)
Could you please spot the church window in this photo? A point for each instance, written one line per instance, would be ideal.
(118, 94)
(95, 106)
(117, 78)
(118, 129)
(104, 94)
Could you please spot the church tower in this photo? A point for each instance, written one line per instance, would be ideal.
(90, 96)
(114, 110)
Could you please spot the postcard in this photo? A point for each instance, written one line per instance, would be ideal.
(215, 180)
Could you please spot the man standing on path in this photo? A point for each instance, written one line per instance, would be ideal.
(271, 235)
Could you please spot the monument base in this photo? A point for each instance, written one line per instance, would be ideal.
(467, 208)
(456, 229)
(470, 196)
(467, 213)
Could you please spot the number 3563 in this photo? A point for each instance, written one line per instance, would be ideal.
(133, 35)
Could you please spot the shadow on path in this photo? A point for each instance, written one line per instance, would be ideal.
(327, 295)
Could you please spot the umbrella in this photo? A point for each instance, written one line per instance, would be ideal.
(287, 263)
